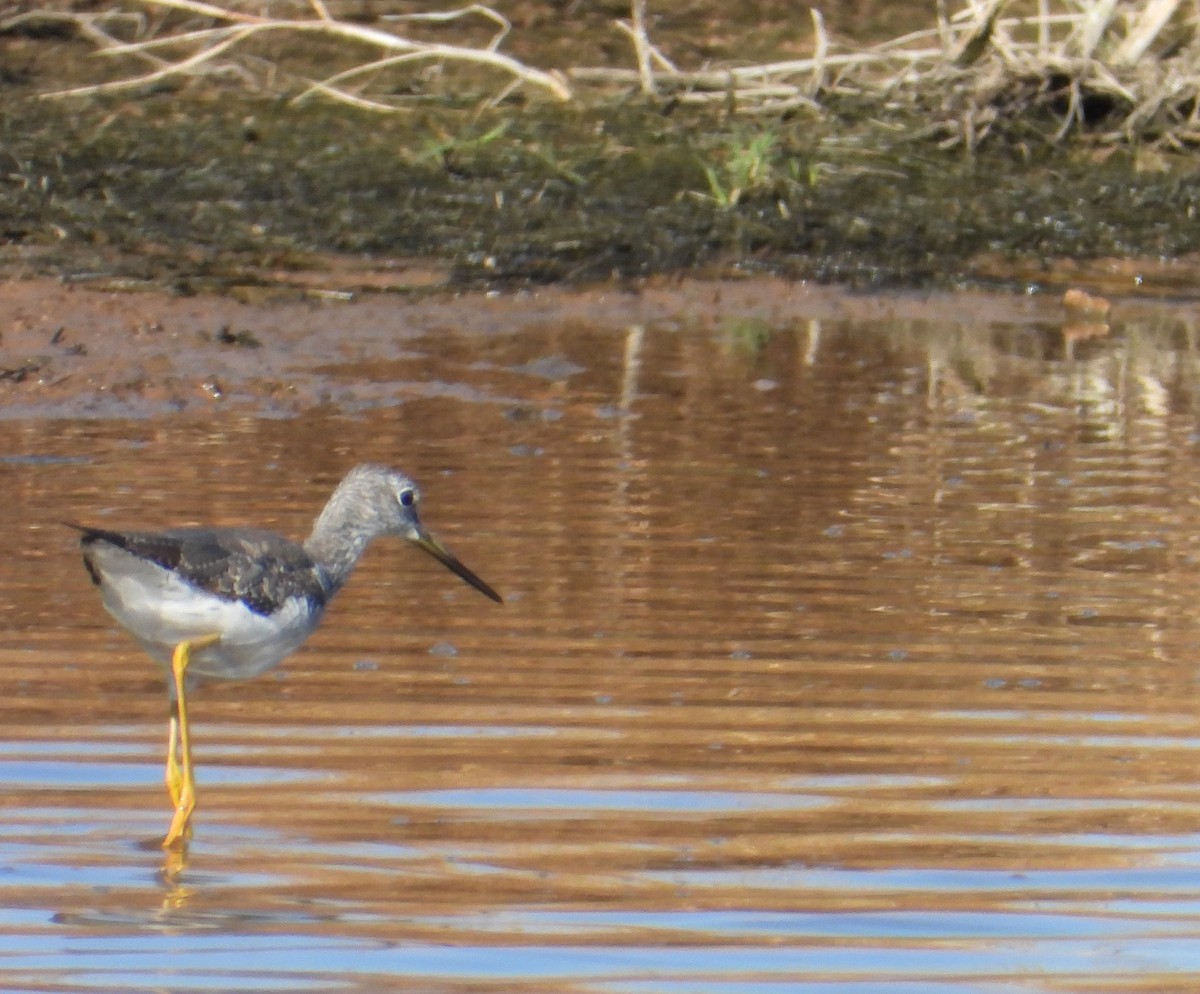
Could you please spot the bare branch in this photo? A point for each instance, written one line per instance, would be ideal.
(170, 69)
(209, 44)
(636, 29)
(207, 10)
(980, 61)
(503, 24)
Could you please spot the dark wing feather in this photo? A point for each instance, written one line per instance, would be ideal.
(257, 567)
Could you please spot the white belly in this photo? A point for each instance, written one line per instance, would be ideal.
(160, 611)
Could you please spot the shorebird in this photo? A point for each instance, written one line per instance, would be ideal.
(232, 603)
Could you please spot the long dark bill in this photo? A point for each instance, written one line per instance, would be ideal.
(426, 541)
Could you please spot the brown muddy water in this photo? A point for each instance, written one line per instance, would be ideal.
(849, 646)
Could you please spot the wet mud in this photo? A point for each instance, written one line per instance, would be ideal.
(74, 351)
(217, 191)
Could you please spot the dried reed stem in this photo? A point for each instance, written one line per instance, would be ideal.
(236, 27)
(980, 61)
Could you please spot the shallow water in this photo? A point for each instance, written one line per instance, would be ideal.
(839, 656)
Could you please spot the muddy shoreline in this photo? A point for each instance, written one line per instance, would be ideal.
(73, 350)
(205, 194)
(183, 247)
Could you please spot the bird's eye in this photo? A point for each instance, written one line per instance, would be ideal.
(408, 498)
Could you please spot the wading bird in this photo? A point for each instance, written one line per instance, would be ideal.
(231, 603)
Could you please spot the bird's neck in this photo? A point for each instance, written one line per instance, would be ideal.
(338, 540)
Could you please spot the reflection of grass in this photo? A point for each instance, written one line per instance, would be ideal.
(746, 336)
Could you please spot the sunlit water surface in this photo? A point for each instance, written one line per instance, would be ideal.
(836, 658)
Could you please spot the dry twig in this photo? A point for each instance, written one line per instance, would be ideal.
(981, 62)
(205, 46)
(973, 62)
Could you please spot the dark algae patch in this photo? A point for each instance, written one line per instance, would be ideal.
(207, 191)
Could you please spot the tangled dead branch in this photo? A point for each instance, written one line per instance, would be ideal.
(988, 61)
(1127, 63)
(199, 49)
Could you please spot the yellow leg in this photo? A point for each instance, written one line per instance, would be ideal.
(181, 784)
(174, 776)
